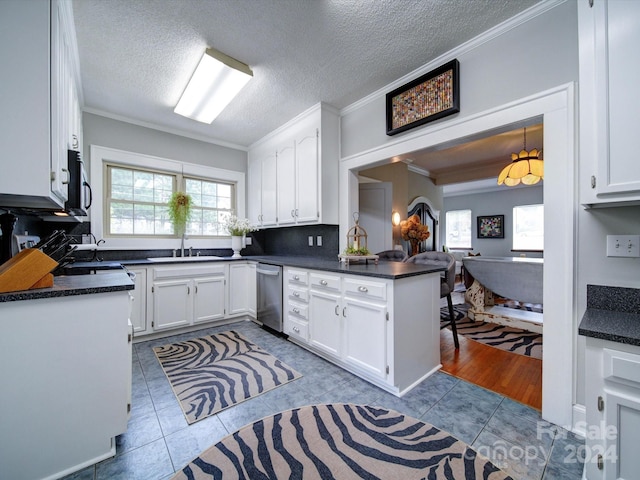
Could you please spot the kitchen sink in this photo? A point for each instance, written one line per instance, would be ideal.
(201, 258)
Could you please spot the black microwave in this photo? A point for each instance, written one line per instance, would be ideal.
(79, 193)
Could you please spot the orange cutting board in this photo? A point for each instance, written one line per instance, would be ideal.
(28, 269)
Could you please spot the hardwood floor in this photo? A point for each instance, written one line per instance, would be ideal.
(515, 376)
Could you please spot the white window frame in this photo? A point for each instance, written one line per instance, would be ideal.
(101, 155)
(513, 231)
(447, 226)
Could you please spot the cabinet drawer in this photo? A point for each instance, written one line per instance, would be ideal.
(298, 277)
(324, 281)
(298, 294)
(188, 271)
(298, 310)
(621, 367)
(363, 288)
(297, 328)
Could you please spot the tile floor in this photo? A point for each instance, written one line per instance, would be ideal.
(159, 441)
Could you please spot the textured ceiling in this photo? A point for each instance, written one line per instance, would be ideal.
(137, 56)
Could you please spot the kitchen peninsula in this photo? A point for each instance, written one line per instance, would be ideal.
(66, 394)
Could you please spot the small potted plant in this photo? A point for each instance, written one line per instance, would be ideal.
(238, 229)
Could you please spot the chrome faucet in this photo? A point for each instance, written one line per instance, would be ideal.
(182, 246)
(191, 251)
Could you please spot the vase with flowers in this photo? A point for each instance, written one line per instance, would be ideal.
(414, 232)
(238, 229)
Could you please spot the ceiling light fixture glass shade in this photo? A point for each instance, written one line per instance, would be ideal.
(216, 81)
(526, 167)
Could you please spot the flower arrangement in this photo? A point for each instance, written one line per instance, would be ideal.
(238, 227)
(180, 211)
(414, 232)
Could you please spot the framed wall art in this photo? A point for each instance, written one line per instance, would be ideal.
(427, 98)
(491, 226)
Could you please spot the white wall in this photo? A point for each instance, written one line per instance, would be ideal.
(107, 132)
(531, 58)
(492, 203)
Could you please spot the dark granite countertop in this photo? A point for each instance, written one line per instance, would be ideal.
(390, 270)
(385, 269)
(69, 285)
(613, 313)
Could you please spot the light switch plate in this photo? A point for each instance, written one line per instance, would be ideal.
(311, 240)
(623, 246)
(319, 240)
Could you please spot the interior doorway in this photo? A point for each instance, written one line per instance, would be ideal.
(554, 108)
(375, 214)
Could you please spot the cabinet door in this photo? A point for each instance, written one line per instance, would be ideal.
(365, 336)
(242, 288)
(254, 191)
(139, 305)
(208, 298)
(269, 190)
(286, 185)
(609, 68)
(620, 452)
(307, 178)
(325, 330)
(171, 303)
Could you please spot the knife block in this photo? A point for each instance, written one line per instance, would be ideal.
(28, 269)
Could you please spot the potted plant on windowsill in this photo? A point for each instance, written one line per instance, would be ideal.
(238, 229)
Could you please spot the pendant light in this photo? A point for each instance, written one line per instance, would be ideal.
(526, 167)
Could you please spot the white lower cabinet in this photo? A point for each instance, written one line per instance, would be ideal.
(325, 329)
(139, 301)
(208, 298)
(613, 410)
(365, 335)
(171, 303)
(385, 330)
(242, 288)
(187, 295)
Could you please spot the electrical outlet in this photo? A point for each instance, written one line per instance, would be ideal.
(319, 240)
(248, 241)
(311, 240)
(623, 245)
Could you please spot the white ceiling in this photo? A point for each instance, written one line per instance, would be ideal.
(137, 56)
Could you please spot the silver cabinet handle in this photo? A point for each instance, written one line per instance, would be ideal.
(293, 214)
(188, 290)
(323, 282)
(296, 329)
(336, 310)
(296, 277)
(363, 289)
(344, 309)
(296, 212)
(296, 310)
(296, 294)
(68, 180)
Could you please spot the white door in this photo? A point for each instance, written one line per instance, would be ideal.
(269, 190)
(208, 300)
(325, 330)
(139, 304)
(239, 288)
(286, 185)
(171, 304)
(307, 180)
(375, 215)
(365, 325)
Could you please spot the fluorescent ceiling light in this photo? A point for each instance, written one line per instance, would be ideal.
(216, 81)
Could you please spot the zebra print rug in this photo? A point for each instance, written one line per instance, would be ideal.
(340, 441)
(503, 337)
(212, 373)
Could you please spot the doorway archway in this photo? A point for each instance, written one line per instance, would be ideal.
(555, 109)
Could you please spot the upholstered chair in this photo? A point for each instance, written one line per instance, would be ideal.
(392, 256)
(442, 259)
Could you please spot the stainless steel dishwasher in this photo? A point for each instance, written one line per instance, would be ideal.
(270, 296)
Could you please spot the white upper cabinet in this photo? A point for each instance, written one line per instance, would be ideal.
(609, 68)
(40, 102)
(304, 153)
